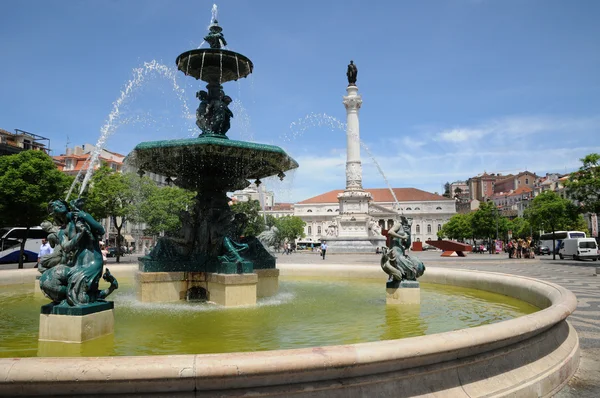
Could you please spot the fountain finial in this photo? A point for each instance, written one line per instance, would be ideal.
(215, 38)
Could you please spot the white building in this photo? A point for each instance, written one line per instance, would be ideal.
(428, 211)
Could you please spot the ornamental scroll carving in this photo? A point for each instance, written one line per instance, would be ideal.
(352, 102)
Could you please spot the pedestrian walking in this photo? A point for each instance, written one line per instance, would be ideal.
(45, 248)
(323, 249)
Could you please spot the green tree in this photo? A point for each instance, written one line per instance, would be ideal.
(290, 228)
(457, 228)
(485, 220)
(28, 182)
(159, 207)
(252, 210)
(111, 195)
(584, 185)
(550, 212)
(520, 227)
(447, 192)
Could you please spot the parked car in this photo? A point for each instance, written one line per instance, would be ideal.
(112, 252)
(541, 250)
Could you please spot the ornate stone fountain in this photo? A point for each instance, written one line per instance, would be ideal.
(210, 257)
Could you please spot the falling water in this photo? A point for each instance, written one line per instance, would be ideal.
(366, 148)
(221, 67)
(114, 117)
(237, 65)
(324, 120)
(202, 65)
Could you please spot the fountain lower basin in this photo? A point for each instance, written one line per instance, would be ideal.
(533, 355)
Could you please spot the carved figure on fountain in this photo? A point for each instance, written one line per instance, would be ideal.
(71, 277)
(215, 36)
(395, 261)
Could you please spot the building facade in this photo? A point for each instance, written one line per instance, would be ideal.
(19, 141)
(428, 211)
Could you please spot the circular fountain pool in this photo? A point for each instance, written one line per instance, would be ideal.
(529, 355)
(307, 312)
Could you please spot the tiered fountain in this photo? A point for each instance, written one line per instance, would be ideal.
(211, 258)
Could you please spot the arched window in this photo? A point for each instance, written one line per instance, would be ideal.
(310, 230)
(408, 208)
(337, 210)
(428, 228)
(438, 208)
(309, 211)
(439, 227)
(318, 230)
(418, 229)
(417, 208)
(329, 211)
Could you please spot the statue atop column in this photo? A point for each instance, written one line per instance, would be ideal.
(352, 73)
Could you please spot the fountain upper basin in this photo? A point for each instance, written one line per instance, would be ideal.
(214, 65)
(197, 162)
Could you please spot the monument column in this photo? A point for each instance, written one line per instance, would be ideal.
(352, 102)
(353, 234)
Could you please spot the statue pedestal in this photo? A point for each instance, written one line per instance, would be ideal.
(405, 292)
(164, 287)
(268, 282)
(232, 290)
(76, 324)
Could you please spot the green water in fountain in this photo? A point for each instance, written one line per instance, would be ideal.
(306, 312)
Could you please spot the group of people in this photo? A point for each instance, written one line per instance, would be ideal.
(520, 248)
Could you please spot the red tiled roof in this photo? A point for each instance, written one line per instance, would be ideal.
(380, 195)
(521, 191)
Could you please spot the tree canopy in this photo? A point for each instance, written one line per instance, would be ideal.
(159, 207)
(252, 209)
(457, 228)
(550, 212)
(584, 185)
(290, 228)
(485, 221)
(28, 181)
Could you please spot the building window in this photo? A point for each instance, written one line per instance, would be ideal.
(527, 181)
(310, 230)
(329, 211)
(417, 208)
(439, 227)
(319, 230)
(428, 228)
(418, 229)
(309, 211)
(408, 208)
(438, 208)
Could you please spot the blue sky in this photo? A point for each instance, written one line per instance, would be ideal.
(450, 88)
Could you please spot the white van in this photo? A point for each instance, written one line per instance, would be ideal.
(579, 248)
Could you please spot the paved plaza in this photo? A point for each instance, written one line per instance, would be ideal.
(577, 276)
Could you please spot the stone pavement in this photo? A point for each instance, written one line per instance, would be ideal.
(577, 276)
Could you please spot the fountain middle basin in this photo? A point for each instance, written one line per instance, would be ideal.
(532, 354)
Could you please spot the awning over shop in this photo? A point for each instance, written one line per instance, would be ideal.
(129, 238)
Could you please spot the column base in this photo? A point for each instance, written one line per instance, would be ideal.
(405, 292)
(76, 324)
(232, 290)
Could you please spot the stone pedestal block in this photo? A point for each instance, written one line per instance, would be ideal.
(268, 282)
(405, 292)
(232, 290)
(76, 324)
(161, 287)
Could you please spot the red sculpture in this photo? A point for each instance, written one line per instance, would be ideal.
(450, 247)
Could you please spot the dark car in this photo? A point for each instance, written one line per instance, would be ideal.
(112, 252)
(541, 250)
